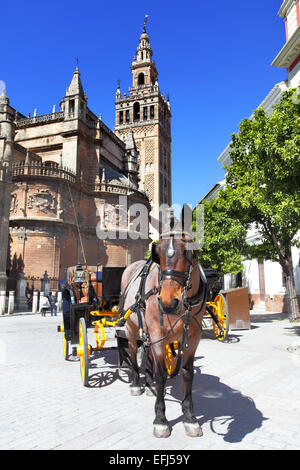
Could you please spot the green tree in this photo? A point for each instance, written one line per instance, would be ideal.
(263, 184)
(224, 237)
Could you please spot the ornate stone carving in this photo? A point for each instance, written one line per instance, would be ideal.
(149, 151)
(13, 203)
(42, 200)
(149, 186)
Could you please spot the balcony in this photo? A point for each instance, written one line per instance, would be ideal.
(40, 119)
(23, 170)
(42, 169)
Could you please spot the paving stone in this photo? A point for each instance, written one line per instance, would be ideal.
(246, 393)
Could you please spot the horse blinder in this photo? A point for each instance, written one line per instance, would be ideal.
(154, 255)
(189, 255)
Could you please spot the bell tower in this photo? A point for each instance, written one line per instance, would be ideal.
(146, 113)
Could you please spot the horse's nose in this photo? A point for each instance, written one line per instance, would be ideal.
(171, 307)
(174, 304)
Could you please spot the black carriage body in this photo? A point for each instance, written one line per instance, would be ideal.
(214, 283)
(111, 283)
(111, 287)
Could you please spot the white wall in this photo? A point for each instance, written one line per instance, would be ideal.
(273, 279)
(296, 263)
(291, 19)
(251, 276)
(294, 77)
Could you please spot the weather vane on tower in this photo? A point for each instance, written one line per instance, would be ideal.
(145, 22)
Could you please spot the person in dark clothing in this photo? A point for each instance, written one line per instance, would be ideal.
(53, 307)
(66, 308)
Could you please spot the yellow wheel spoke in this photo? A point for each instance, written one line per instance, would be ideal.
(220, 310)
(170, 359)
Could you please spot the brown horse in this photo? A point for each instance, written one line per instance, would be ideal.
(171, 305)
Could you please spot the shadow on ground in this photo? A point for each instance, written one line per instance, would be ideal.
(229, 413)
(108, 372)
(267, 317)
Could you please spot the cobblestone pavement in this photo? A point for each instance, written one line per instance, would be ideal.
(246, 392)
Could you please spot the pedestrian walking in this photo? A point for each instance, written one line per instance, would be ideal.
(45, 304)
(29, 301)
(53, 305)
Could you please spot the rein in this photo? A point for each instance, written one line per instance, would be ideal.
(188, 303)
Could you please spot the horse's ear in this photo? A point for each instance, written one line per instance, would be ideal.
(186, 218)
(154, 255)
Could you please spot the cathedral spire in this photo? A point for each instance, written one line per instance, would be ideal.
(143, 67)
(75, 87)
(75, 102)
(3, 97)
(144, 51)
(143, 122)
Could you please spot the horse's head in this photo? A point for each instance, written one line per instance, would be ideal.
(176, 263)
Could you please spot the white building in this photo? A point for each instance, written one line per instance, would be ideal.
(264, 278)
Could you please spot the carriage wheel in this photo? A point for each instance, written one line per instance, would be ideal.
(65, 342)
(221, 311)
(172, 358)
(84, 349)
(65, 347)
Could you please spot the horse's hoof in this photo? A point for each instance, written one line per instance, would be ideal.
(135, 391)
(193, 429)
(161, 430)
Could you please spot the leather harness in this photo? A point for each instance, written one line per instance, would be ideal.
(184, 279)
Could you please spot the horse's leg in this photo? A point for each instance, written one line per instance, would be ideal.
(149, 382)
(191, 425)
(135, 386)
(161, 426)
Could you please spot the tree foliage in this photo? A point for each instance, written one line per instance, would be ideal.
(224, 237)
(262, 192)
(264, 177)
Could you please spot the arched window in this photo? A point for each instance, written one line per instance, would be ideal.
(136, 111)
(141, 79)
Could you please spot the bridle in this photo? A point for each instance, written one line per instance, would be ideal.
(181, 277)
(184, 279)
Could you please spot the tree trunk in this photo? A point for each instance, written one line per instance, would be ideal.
(293, 307)
(286, 262)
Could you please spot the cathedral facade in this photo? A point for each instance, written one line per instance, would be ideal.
(74, 183)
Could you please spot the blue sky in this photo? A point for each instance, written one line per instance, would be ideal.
(213, 58)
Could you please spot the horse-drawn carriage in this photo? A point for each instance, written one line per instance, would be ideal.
(216, 305)
(91, 299)
(162, 304)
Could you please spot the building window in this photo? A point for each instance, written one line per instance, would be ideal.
(151, 112)
(127, 116)
(141, 79)
(145, 113)
(121, 117)
(136, 111)
(71, 106)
